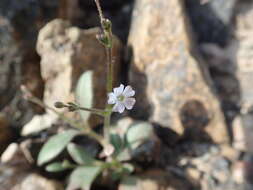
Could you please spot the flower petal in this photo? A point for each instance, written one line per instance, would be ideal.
(111, 98)
(118, 91)
(129, 103)
(128, 92)
(118, 107)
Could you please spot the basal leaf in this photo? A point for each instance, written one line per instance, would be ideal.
(138, 133)
(79, 154)
(84, 93)
(83, 177)
(55, 145)
(117, 143)
(55, 167)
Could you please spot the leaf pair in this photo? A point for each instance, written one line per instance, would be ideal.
(137, 134)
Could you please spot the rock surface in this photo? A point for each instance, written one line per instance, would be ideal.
(155, 180)
(242, 125)
(243, 132)
(20, 22)
(10, 76)
(34, 181)
(22, 179)
(16, 172)
(66, 52)
(6, 134)
(245, 52)
(171, 88)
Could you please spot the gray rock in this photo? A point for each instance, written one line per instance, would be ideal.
(245, 53)
(21, 178)
(155, 180)
(171, 88)
(20, 22)
(6, 133)
(212, 21)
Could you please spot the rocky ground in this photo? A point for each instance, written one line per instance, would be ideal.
(189, 62)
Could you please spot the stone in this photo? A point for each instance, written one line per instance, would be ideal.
(230, 152)
(239, 135)
(223, 9)
(17, 154)
(6, 133)
(215, 42)
(244, 30)
(20, 22)
(238, 172)
(155, 180)
(243, 132)
(9, 153)
(66, 52)
(10, 75)
(216, 20)
(172, 89)
(34, 181)
(21, 178)
(194, 174)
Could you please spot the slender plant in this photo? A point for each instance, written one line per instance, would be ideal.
(117, 148)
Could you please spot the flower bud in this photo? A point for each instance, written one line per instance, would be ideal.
(59, 105)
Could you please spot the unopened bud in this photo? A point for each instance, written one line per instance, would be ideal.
(59, 105)
(72, 107)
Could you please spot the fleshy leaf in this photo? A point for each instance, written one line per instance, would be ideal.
(79, 155)
(124, 155)
(138, 133)
(55, 145)
(83, 177)
(117, 142)
(129, 168)
(56, 167)
(84, 93)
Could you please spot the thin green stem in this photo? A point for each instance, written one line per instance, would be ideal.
(99, 10)
(107, 117)
(109, 69)
(107, 120)
(86, 130)
(93, 110)
(106, 25)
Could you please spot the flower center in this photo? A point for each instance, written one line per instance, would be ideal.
(120, 98)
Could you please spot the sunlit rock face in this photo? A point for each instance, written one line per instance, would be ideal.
(172, 89)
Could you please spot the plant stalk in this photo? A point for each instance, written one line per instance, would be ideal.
(106, 26)
(86, 130)
(107, 118)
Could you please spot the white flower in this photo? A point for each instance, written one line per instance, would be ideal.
(122, 98)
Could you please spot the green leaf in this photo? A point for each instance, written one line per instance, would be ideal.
(117, 143)
(55, 145)
(55, 167)
(123, 171)
(84, 94)
(129, 168)
(138, 133)
(83, 177)
(124, 155)
(79, 155)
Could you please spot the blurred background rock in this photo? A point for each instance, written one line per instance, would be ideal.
(190, 62)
